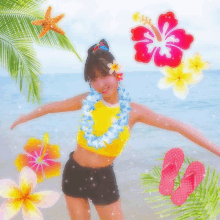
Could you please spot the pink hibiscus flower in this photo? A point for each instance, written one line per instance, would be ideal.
(164, 44)
(40, 158)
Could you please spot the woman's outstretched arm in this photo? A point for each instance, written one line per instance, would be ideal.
(71, 104)
(149, 117)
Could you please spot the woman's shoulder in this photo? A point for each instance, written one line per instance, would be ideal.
(134, 105)
(135, 109)
(138, 107)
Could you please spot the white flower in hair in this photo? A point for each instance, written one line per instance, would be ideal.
(114, 67)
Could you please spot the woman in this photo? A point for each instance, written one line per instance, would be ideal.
(88, 174)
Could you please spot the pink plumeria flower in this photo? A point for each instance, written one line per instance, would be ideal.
(164, 44)
(21, 197)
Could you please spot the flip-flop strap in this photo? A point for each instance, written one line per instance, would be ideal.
(192, 174)
(170, 164)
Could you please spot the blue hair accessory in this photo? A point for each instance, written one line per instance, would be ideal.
(101, 46)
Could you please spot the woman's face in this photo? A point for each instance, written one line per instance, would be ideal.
(106, 85)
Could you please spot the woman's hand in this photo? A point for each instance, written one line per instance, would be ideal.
(18, 121)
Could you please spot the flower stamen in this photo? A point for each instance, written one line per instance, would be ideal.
(46, 141)
(147, 21)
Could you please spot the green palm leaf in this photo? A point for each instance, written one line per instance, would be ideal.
(202, 204)
(18, 19)
(17, 35)
(20, 59)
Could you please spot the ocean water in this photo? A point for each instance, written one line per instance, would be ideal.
(200, 109)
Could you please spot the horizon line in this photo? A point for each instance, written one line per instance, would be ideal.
(4, 75)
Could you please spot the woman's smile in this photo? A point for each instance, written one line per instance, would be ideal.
(105, 90)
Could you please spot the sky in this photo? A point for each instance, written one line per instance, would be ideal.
(88, 21)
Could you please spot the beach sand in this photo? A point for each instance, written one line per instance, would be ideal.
(128, 167)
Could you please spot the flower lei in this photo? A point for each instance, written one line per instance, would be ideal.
(86, 120)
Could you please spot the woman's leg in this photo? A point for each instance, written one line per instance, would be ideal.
(75, 191)
(112, 211)
(78, 208)
(106, 196)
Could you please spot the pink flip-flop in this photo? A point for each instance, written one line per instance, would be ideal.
(193, 176)
(172, 162)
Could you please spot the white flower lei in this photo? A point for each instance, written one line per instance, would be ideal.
(86, 120)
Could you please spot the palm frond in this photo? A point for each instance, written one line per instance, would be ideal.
(14, 3)
(202, 204)
(20, 59)
(17, 17)
(17, 34)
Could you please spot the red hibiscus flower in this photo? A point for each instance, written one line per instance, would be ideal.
(164, 44)
(119, 76)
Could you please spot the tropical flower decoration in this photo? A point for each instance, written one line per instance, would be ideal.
(40, 158)
(49, 23)
(114, 67)
(177, 78)
(196, 65)
(186, 73)
(119, 76)
(164, 44)
(21, 196)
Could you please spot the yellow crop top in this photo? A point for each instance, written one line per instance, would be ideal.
(103, 117)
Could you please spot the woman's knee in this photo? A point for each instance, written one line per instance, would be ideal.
(110, 212)
(78, 208)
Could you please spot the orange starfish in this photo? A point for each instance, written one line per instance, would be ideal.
(49, 23)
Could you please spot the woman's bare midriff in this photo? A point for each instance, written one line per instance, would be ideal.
(89, 159)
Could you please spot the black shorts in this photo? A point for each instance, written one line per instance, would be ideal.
(97, 184)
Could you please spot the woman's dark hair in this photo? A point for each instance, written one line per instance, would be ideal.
(97, 61)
